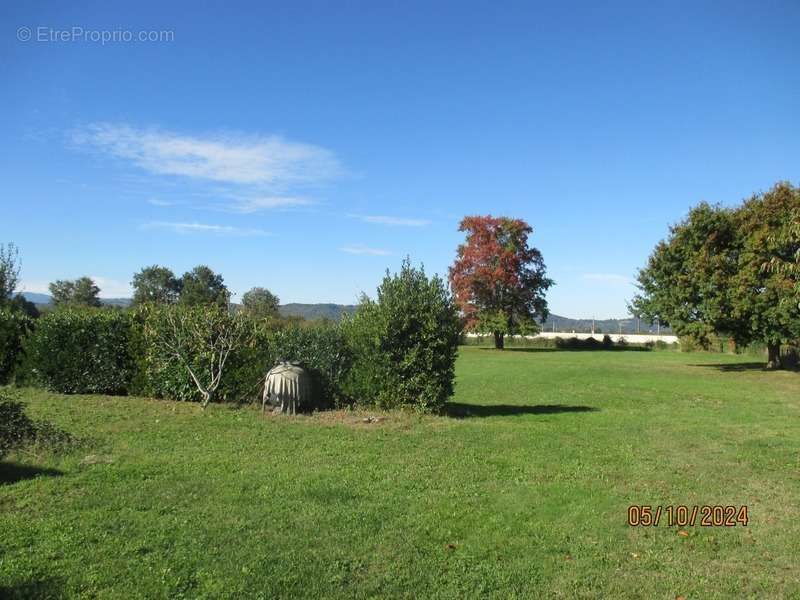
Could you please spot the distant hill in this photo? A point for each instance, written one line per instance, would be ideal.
(36, 298)
(46, 299)
(629, 325)
(334, 312)
(312, 312)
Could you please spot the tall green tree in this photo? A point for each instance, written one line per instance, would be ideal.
(766, 301)
(75, 292)
(686, 283)
(155, 284)
(260, 302)
(729, 271)
(499, 281)
(201, 286)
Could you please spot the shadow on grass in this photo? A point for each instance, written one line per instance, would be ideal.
(13, 472)
(46, 588)
(600, 349)
(507, 349)
(748, 366)
(459, 410)
(734, 367)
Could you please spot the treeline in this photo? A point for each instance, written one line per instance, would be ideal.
(157, 284)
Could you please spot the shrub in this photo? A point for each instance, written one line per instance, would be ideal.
(78, 351)
(405, 343)
(320, 348)
(14, 325)
(183, 351)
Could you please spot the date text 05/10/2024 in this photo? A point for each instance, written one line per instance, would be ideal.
(682, 515)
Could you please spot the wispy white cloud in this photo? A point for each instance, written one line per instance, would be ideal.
(394, 221)
(612, 278)
(159, 202)
(362, 249)
(231, 159)
(184, 228)
(259, 203)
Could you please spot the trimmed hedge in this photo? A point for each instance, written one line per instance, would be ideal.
(82, 351)
(14, 326)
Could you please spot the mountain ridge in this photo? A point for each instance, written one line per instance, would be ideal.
(334, 312)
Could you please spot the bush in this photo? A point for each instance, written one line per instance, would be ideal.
(405, 343)
(18, 430)
(14, 325)
(320, 348)
(184, 352)
(82, 351)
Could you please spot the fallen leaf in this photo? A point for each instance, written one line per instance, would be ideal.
(568, 557)
(634, 555)
(683, 533)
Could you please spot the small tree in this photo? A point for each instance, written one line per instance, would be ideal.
(499, 281)
(202, 287)
(261, 303)
(155, 284)
(199, 338)
(9, 271)
(77, 292)
(9, 279)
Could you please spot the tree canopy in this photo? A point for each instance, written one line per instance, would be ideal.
(499, 282)
(731, 271)
(260, 302)
(155, 284)
(201, 286)
(75, 292)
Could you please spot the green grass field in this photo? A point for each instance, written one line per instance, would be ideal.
(522, 492)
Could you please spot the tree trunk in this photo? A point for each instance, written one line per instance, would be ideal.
(499, 342)
(773, 356)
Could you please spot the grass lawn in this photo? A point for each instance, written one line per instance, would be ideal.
(522, 492)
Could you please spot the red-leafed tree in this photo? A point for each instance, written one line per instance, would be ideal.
(498, 281)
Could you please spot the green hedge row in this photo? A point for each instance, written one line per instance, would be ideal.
(81, 351)
(398, 350)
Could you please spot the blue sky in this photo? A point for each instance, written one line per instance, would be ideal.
(306, 147)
